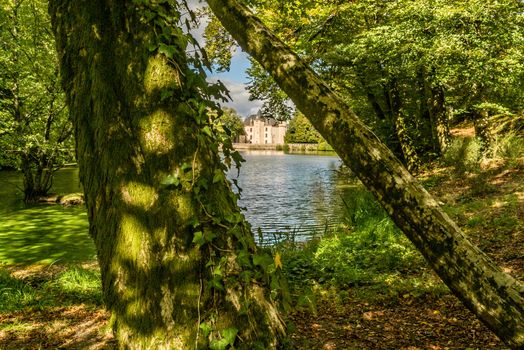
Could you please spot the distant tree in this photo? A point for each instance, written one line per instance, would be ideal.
(35, 133)
(262, 87)
(232, 122)
(300, 130)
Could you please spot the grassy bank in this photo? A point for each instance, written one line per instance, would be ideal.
(364, 286)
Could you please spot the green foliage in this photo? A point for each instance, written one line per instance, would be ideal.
(35, 134)
(372, 249)
(231, 123)
(219, 44)
(508, 146)
(464, 154)
(262, 87)
(74, 285)
(228, 339)
(300, 130)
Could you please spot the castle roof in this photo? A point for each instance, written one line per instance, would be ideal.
(268, 120)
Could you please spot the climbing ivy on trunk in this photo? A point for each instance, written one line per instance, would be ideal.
(179, 265)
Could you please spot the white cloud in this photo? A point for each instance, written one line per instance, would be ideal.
(240, 97)
(235, 79)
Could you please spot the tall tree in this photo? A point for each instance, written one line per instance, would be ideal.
(34, 129)
(179, 266)
(300, 130)
(407, 67)
(232, 123)
(494, 296)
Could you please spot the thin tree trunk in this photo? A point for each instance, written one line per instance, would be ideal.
(153, 187)
(482, 130)
(405, 141)
(439, 115)
(494, 296)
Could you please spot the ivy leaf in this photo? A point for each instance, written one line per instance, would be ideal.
(168, 50)
(219, 176)
(207, 130)
(165, 94)
(209, 236)
(243, 258)
(198, 238)
(206, 329)
(278, 261)
(230, 335)
(171, 181)
(263, 260)
(216, 283)
(219, 344)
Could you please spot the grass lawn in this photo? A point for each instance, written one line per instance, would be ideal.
(45, 234)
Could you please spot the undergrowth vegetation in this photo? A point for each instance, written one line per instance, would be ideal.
(69, 286)
(368, 257)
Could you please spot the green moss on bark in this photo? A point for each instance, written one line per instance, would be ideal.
(148, 168)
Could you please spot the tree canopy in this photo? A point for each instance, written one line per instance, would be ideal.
(34, 128)
(408, 68)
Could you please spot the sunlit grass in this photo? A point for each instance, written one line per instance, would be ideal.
(78, 285)
(16, 294)
(40, 290)
(45, 234)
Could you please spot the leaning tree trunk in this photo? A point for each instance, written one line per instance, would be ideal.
(176, 256)
(494, 296)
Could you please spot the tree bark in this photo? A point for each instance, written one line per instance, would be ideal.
(482, 130)
(152, 184)
(494, 296)
(439, 115)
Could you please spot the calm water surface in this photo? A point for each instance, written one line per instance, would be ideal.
(291, 192)
(281, 192)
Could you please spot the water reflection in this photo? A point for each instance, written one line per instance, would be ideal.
(282, 192)
(290, 192)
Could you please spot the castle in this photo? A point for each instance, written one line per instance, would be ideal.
(263, 130)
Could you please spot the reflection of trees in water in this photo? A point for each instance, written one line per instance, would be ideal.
(300, 194)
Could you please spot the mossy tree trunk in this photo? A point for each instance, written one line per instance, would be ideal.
(482, 130)
(154, 183)
(439, 115)
(409, 152)
(494, 296)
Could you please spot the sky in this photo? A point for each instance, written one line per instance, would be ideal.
(235, 79)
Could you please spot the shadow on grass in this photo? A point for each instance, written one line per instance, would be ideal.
(45, 234)
(44, 288)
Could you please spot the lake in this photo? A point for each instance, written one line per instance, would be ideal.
(282, 193)
(297, 193)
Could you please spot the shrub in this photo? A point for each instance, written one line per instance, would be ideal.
(464, 154)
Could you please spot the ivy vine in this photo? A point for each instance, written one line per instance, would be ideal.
(254, 264)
